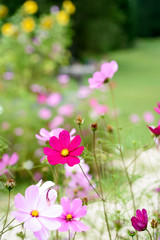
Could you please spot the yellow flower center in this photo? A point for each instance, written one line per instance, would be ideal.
(69, 217)
(64, 152)
(34, 213)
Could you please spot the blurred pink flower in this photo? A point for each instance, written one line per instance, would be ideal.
(34, 211)
(36, 88)
(66, 110)
(63, 149)
(45, 113)
(29, 49)
(7, 161)
(37, 176)
(71, 214)
(56, 122)
(18, 131)
(99, 109)
(83, 92)
(46, 135)
(148, 117)
(5, 125)
(107, 71)
(36, 41)
(76, 170)
(41, 98)
(53, 99)
(63, 79)
(8, 75)
(134, 118)
(157, 109)
(54, 9)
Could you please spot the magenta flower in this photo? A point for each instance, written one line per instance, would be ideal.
(36, 212)
(156, 130)
(106, 73)
(41, 98)
(70, 216)
(158, 108)
(64, 150)
(140, 222)
(7, 161)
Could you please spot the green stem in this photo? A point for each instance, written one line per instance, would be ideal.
(149, 234)
(74, 236)
(8, 225)
(99, 178)
(69, 235)
(5, 221)
(12, 228)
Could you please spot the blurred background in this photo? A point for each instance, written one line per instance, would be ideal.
(48, 51)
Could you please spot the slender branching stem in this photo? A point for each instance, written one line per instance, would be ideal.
(149, 234)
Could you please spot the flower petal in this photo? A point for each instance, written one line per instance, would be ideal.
(51, 212)
(64, 138)
(65, 203)
(49, 151)
(43, 234)
(21, 204)
(55, 143)
(76, 152)
(71, 160)
(76, 205)
(32, 197)
(64, 225)
(77, 226)
(57, 160)
(49, 223)
(21, 216)
(75, 143)
(33, 224)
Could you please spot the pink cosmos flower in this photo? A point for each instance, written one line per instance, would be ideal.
(41, 98)
(18, 131)
(107, 71)
(56, 122)
(45, 113)
(5, 125)
(70, 216)
(7, 161)
(36, 212)
(36, 88)
(134, 118)
(46, 135)
(64, 150)
(99, 109)
(53, 99)
(140, 222)
(66, 110)
(83, 92)
(156, 130)
(8, 75)
(63, 79)
(157, 109)
(148, 117)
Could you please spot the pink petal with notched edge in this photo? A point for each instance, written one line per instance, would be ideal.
(57, 160)
(64, 225)
(43, 234)
(55, 143)
(44, 133)
(64, 138)
(20, 216)
(71, 161)
(76, 205)
(32, 196)
(13, 159)
(49, 223)
(82, 227)
(77, 151)
(158, 104)
(81, 212)
(74, 143)
(145, 216)
(65, 203)
(157, 110)
(98, 76)
(33, 224)
(20, 203)
(49, 151)
(52, 212)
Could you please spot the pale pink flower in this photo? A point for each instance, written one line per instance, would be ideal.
(8, 161)
(18, 131)
(66, 110)
(45, 113)
(72, 212)
(36, 88)
(63, 79)
(37, 176)
(56, 122)
(8, 75)
(37, 212)
(83, 92)
(134, 118)
(29, 49)
(148, 117)
(107, 71)
(53, 99)
(54, 9)
(46, 135)
(5, 125)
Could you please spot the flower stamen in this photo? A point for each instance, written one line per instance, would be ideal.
(34, 213)
(69, 217)
(64, 152)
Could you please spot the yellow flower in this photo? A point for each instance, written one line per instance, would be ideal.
(8, 29)
(69, 6)
(30, 7)
(28, 24)
(62, 17)
(3, 11)
(47, 22)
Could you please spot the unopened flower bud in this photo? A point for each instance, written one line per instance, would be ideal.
(10, 184)
(79, 120)
(131, 233)
(85, 201)
(94, 126)
(154, 223)
(109, 128)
